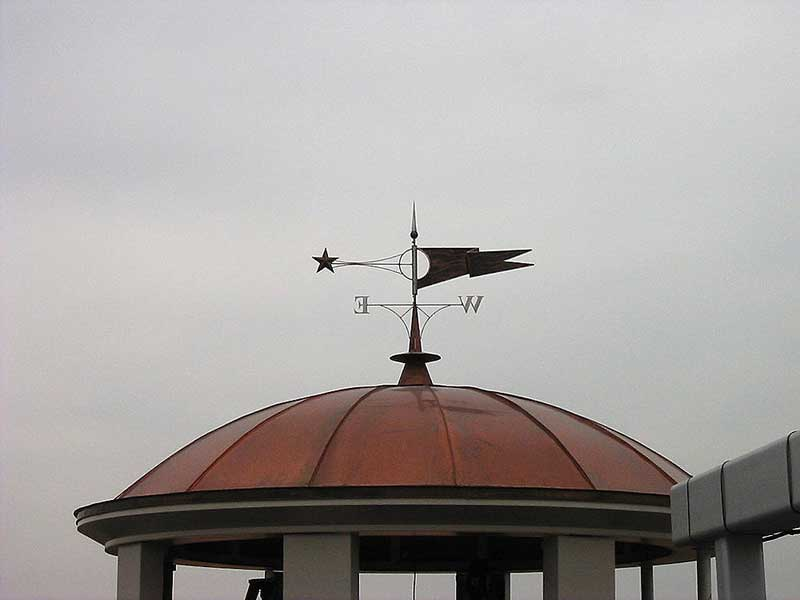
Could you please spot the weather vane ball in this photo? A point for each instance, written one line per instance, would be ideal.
(444, 264)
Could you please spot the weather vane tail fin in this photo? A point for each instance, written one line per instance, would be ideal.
(494, 261)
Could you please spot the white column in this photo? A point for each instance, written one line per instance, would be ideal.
(703, 574)
(140, 571)
(646, 580)
(578, 568)
(740, 568)
(320, 567)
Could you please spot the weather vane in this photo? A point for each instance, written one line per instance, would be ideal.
(443, 264)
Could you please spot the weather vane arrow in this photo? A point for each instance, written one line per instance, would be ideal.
(443, 265)
(448, 263)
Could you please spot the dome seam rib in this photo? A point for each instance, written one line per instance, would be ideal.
(251, 430)
(622, 440)
(499, 397)
(336, 430)
(235, 443)
(447, 435)
(610, 433)
(634, 441)
(202, 437)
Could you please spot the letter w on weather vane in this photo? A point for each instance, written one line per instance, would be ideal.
(438, 265)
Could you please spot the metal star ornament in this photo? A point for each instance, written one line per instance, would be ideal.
(325, 261)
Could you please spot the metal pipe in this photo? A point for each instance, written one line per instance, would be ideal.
(646, 578)
(703, 573)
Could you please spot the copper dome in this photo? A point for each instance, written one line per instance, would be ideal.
(412, 436)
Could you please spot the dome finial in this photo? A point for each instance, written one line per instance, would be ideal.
(414, 372)
(415, 337)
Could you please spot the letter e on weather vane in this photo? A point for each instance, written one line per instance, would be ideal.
(361, 305)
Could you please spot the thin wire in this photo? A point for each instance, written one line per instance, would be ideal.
(384, 259)
(414, 587)
(370, 263)
(442, 304)
(433, 314)
(342, 265)
(396, 314)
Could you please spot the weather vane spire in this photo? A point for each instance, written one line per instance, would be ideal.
(414, 263)
(443, 264)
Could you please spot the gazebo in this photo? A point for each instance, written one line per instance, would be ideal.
(412, 477)
(398, 478)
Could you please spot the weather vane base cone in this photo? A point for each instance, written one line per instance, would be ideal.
(415, 371)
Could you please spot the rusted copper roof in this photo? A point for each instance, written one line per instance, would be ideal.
(412, 435)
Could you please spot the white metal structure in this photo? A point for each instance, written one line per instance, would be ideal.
(734, 506)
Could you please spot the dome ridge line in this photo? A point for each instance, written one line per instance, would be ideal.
(501, 398)
(236, 442)
(648, 448)
(205, 435)
(623, 439)
(255, 427)
(358, 401)
(608, 432)
(447, 435)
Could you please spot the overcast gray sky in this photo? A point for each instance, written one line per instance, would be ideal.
(169, 168)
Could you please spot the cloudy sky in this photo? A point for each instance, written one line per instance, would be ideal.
(168, 169)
